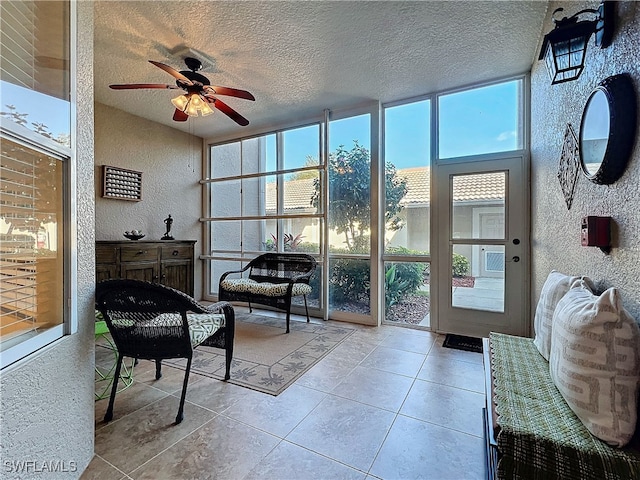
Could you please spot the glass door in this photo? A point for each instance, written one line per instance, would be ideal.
(483, 247)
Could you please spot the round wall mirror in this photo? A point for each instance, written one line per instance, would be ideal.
(607, 130)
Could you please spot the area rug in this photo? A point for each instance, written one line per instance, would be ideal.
(460, 342)
(265, 358)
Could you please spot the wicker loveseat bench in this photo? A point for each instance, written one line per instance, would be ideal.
(531, 432)
(271, 279)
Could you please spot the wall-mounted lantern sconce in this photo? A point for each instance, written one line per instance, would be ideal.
(564, 47)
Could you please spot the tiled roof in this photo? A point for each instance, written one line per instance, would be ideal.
(480, 187)
(297, 195)
(418, 185)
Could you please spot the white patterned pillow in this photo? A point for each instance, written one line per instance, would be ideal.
(595, 362)
(201, 325)
(554, 288)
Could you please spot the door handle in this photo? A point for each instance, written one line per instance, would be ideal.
(516, 259)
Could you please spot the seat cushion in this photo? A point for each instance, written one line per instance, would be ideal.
(201, 325)
(555, 287)
(245, 285)
(595, 362)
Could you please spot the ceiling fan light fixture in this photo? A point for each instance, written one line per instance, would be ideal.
(206, 109)
(196, 101)
(180, 102)
(191, 109)
(195, 104)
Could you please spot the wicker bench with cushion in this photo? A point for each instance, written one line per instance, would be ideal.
(564, 405)
(272, 279)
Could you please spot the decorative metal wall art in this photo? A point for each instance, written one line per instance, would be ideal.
(121, 184)
(569, 165)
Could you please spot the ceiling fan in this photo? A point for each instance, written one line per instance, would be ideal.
(199, 93)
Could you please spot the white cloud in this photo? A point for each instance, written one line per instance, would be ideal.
(506, 136)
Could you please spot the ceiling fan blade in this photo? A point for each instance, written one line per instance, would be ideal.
(180, 116)
(227, 110)
(131, 86)
(172, 71)
(232, 92)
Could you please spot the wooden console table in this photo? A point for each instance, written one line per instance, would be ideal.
(169, 262)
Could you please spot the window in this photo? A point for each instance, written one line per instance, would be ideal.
(481, 120)
(407, 147)
(269, 193)
(349, 216)
(35, 173)
(265, 195)
(35, 67)
(31, 265)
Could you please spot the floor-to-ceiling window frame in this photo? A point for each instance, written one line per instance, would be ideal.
(265, 192)
(422, 136)
(353, 220)
(375, 255)
(480, 218)
(406, 212)
(262, 194)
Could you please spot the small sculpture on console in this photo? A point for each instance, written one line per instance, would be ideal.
(168, 222)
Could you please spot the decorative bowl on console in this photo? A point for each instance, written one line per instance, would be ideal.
(134, 235)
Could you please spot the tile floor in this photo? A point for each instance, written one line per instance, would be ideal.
(388, 403)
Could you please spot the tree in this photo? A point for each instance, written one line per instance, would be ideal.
(350, 198)
(310, 161)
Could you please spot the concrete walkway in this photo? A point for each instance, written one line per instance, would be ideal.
(486, 294)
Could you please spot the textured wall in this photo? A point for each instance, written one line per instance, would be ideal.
(171, 166)
(556, 230)
(47, 399)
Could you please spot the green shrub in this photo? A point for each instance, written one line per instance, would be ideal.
(314, 283)
(308, 247)
(348, 279)
(401, 279)
(460, 265)
(270, 245)
(410, 272)
(404, 251)
(394, 286)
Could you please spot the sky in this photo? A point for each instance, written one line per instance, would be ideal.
(482, 120)
(40, 108)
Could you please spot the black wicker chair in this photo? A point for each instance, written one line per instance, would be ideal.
(154, 322)
(273, 279)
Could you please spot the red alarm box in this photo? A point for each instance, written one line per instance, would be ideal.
(596, 232)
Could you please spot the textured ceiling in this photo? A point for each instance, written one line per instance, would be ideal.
(299, 57)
